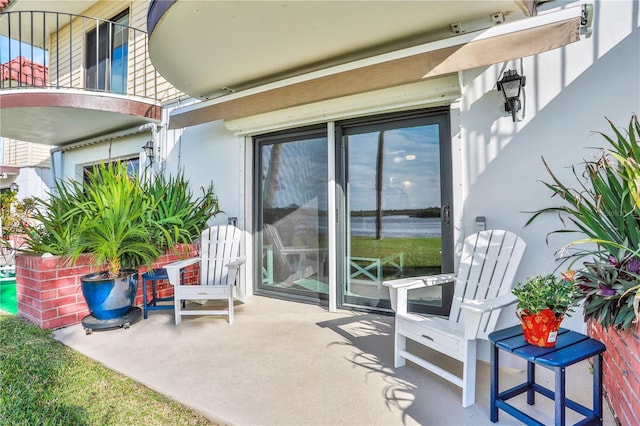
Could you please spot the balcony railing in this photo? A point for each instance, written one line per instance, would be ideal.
(67, 51)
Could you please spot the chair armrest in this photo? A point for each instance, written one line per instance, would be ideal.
(398, 289)
(488, 305)
(173, 269)
(418, 282)
(236, 263)
(474, 309)
(301, 250)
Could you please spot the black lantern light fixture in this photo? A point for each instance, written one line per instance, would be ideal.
(149, 151)
(511, 86)
(14, 187)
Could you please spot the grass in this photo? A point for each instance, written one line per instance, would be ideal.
(419, 253)
(43, 382)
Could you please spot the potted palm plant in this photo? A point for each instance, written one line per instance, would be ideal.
(121, 222)
(543, 301)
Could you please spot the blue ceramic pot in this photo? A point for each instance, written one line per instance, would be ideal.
(110, 298)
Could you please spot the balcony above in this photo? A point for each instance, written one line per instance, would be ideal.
(71, 77)
(209, 48)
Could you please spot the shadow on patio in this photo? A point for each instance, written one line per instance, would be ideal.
(285, 363)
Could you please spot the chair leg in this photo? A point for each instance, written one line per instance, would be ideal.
(400, 344)
(231, 309)
(177, 305)
(469, 375)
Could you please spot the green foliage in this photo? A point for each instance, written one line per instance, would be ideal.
(604, 206)
(114, 221)
(59, 219)
(179, 215)
(118, 219)
(611, 293)
(43, 382)
(547, 292)
(14, 213)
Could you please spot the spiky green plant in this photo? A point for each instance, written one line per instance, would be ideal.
(181, 216)
(59, 218)
(119, 220)
(604, 207)
(116, 229)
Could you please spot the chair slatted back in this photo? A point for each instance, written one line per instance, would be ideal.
(488, 265)
(219, 245)
(282, 267)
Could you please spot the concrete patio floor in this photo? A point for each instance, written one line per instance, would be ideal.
(285, 363)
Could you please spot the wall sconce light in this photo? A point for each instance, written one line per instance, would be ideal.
(14, 187)
(149, 151)
(511, 86)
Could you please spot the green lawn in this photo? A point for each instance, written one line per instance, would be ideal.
(419, 253)
(43, 382)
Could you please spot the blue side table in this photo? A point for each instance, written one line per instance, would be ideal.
(571, 347)
(153, 276)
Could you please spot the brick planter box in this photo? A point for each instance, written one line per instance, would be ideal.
(621, 371)
(49, 289)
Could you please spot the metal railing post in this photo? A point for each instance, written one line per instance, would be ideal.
(127, 83)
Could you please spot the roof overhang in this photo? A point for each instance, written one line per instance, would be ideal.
(60, 117)
(209, 48)
(501, 43)
(6, 171)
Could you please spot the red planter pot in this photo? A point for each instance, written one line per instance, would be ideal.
(540, 329)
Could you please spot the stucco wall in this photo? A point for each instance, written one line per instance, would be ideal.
(34, 182)
(569, 92)
(210, 153)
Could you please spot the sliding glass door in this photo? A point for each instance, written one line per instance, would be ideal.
(292, 214)
(393, 198)
(396, 180)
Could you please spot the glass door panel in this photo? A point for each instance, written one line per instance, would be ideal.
(395, 197)
(292, 215)
(106, 55)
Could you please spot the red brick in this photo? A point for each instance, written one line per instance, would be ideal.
(80, 307)
(620, 371)
(27, 282)
(28, 292)
(65, 290)
(48, 294)
(77, 271)
(69, 282)
(31, 301)
(60, 322)
(56, 303)
(31, 311)
(47, 314)
(54, 283)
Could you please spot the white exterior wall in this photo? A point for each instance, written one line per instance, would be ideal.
(34, 182)
(569, 92)
(210, 153)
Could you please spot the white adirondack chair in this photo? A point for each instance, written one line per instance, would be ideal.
(219, 262)
(488, 265)
(294, 262)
